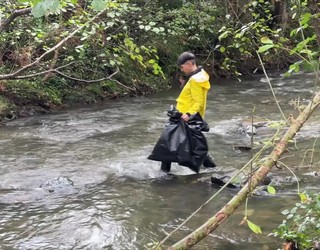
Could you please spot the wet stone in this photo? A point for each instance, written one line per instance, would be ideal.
(57, 183)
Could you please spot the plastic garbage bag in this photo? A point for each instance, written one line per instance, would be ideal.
(182, 142)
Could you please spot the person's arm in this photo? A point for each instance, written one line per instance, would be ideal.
(197, 98)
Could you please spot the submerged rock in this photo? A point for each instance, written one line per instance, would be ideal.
(314, 173)
(221, 180)
(247, 130)
(251, 127)
(57, 183)
(239, 182)
(242, 147)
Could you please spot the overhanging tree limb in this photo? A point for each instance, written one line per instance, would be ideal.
(14, 15)
(57, 46)
(259, 175)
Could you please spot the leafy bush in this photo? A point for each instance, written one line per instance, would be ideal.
(302, 223)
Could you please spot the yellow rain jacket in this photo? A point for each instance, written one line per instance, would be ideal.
(193, 97)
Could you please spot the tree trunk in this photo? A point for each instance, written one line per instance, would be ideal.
(233, 8)
(280, 12)
(241, 196)
(315, 10)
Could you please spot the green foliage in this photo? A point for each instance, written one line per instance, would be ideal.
(26, 92)
(271, 190)
(302, 223)
(304, 37)
(4, 104)
(100, 47)
(45, 7)
(254, 228)
(241, 40)
(143, 39)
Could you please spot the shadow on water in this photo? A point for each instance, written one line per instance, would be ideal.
(120, 200)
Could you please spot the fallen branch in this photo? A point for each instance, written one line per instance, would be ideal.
(214, 222)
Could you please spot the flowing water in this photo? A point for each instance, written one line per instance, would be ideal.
(121, 200)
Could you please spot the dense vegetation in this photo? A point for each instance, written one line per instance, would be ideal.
(54, 53)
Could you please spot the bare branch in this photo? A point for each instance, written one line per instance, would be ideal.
(58, 45)
(14, 15)
(83, 80)
(40, 73)
(97, 80)
(56, 71)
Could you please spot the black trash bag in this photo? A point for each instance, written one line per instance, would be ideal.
(194, 120)
(182, 142)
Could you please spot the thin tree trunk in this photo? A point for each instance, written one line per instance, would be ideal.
(52, 66)
(261, 173)
(233, 8)
(315, 10)
(280, 12)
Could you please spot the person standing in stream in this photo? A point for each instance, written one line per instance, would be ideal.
(193, 97)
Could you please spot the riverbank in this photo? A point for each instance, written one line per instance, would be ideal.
(25, 98)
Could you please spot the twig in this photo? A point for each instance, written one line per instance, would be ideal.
(274, 95)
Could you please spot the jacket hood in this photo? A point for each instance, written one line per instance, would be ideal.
(201, 77)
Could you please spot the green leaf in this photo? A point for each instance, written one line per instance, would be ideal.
(51, 5)
(306, 51)
(294, 67)
(266, 40)
(254, 228)
(156, 30)
(271, 190)
(265, 48)
(222, 49)
(39, 10)
(224, 34)
(305, 18)
(34, 2)
(98, 5)
(110, 24)
(148, 27)
(303, 197)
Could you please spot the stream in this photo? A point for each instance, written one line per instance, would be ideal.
(121, 200)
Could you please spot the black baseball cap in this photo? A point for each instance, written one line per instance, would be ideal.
(185, 56)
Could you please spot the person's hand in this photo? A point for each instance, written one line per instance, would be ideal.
(185, 117)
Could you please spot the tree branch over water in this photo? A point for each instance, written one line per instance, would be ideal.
(57, 46)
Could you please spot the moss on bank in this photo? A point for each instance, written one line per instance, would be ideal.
(5, 108)
(20, 98)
